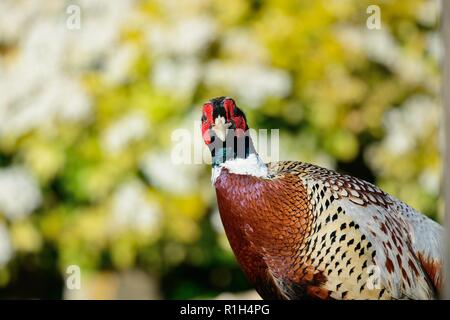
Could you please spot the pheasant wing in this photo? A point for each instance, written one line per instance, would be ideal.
(405, 242)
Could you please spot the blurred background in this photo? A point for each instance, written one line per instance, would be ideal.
(87, 112)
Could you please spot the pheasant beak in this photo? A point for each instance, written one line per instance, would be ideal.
(220, 128)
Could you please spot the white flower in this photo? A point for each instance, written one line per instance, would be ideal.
(435, 45)
(241, 44)
(39, 55)
(101, 24)
(119, 63)
(428, 14)
(131, 127)
(40, 84)
(159, 169)
(185, 37)
(430, 180)
(59, 98)
(133, 210)
(406, 124)
(177, 77)
(253, 83)
(19, 193)
(6, 250)
(380, 46)
(351, 37)
(73, 102)
(15, 18)
(35, 90)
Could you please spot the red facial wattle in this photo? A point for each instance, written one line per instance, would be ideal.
(238, 121)
(207, 120)
(229, 105)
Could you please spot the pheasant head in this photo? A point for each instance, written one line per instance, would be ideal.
(226, 133)
(219, 115)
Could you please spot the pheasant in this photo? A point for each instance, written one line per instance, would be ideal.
(300, 231)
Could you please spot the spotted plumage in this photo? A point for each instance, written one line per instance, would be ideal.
(300, 231)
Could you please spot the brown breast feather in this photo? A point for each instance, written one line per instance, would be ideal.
(266, 222)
